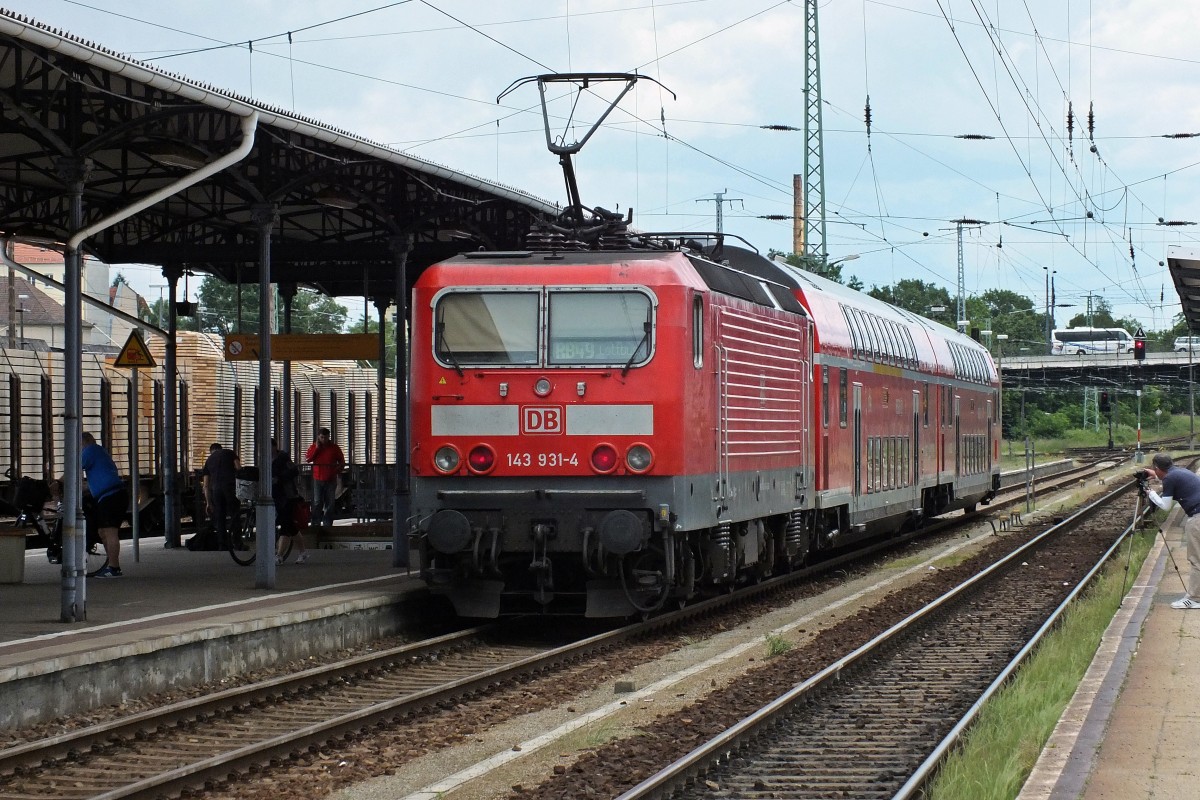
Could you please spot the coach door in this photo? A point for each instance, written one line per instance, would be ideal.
(957, 439)
(915, 460)
(991, 433)
(858, 442)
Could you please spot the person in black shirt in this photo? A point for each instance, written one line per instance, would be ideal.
(220, 493)
(287, 500)
(1181, 486)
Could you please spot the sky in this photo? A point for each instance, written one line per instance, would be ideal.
(1083, 204)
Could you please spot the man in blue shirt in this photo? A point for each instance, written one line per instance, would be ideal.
(1181, 486)
(110, 501)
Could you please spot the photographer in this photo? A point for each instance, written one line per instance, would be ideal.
(1182, 486)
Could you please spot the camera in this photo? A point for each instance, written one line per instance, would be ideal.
(1143, 479)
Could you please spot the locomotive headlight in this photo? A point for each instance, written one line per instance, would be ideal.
(481, 459)
(446, 459)
(542, 387)
(604, 458)
(638, 458)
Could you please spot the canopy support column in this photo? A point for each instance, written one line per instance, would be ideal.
(170, 421)
(402, 501)
(265, 217)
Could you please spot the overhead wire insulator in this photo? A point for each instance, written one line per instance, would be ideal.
(1180, 135)
(1091, 122)
(973, 136)
(1070, 130)
(778, 127)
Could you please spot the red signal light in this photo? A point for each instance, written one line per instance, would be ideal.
(481, 459)
(604, 458)
(1139, 349)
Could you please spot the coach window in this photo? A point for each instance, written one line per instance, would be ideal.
(843, 402)
(880, 348)
(486, 328)
(611, 328)
(863, 345)
(825, 396)
(852, 326)
(698, 331)
(893, 342)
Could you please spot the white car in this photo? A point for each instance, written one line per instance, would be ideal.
(1184, 343)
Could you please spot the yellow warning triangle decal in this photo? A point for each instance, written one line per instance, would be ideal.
(442, 381)
(135, 353)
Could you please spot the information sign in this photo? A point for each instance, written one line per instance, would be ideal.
(305, 347)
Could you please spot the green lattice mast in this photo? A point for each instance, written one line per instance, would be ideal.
(814, 158)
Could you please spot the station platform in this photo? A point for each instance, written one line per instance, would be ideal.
(1130, 730)
(178, 618)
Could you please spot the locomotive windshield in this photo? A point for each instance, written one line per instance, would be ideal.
(598, 328)
(582, 328)
(487, 328)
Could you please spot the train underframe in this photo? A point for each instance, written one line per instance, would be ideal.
(602, 550)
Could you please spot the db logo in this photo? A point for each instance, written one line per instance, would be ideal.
(541, 419)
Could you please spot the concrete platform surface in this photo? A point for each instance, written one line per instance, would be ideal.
(179, 617)
(1130, 731)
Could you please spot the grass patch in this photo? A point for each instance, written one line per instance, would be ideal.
(1001, 748)
(907, 561)
(776, 645)
(592, 736)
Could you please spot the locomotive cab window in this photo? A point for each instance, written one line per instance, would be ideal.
(486, 328)
(698, 331)
(592, 328)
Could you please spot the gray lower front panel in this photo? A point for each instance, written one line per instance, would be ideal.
(695, 502)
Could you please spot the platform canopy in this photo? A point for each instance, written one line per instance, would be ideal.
(343, 202)
(1184, 265)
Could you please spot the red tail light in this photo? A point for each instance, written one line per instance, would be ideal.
(481, 459)
(604, 458)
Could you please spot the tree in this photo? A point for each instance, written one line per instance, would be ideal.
(916, 296)
(389, 334)
(1005, 311)
(219, 309)
(1101, 317)
(158, 311)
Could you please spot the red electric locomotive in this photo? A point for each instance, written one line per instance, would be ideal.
(606, 431)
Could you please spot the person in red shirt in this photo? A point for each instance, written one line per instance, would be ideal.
(327, 460)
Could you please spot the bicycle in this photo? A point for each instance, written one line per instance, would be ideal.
(30, 500)
(243, 546)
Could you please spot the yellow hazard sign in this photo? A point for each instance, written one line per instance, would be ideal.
(134, 353)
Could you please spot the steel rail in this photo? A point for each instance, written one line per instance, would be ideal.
(700, 759)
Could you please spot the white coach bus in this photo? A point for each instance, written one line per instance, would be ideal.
(1085, 341)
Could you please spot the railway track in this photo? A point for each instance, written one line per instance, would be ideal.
(875, 723)
(208, 740)
(198, 742)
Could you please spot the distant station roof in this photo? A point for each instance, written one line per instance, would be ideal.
(343, 202)
(1184, 265)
